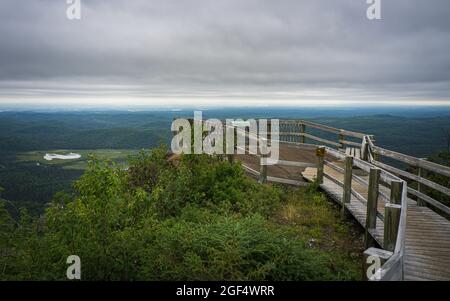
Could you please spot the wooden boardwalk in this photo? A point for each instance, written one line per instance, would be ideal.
(405, 228)
(427, 247)
(427, 242)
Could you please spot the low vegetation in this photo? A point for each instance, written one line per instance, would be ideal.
(182, 218)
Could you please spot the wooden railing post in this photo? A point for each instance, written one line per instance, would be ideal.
(340, 139)
(320, 152)
(375, 155)
(392, 216)
(263, 164)
(347, 194)
(365, 149)
(396, 192)
(372, 205)
(420, 202)
(302, 131)
(391, 223)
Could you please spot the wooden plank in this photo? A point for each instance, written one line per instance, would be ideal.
(391, 224)
(332, 129)
(286, 181)
(443, 170)
(427, 258)
(400, 245)
(372, 204)
(360, 198)
(430, 200)
(396, 192)
(332, 179)
(341, 138)
(287, 134)
(322, 140)
(420, 189)
(275, 179)
(291, 163)
(392, 270)
(411, 176)
(432, 264)
(365, 166)
(334, 166)
(346, 142)
(302, 131)
(320, 152)
(427, 269)
(334, 153)
(425, 276)
(251, 170)
(320, 127)
(300, 146)
(347, 191)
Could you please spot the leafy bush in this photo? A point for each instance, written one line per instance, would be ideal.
(214, 184)
(198, 218)
(230, 248)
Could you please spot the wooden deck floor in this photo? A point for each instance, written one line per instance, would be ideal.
(427, 252)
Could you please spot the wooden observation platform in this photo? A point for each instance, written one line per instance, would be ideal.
(405, 228)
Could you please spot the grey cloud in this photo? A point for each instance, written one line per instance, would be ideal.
(254, 49)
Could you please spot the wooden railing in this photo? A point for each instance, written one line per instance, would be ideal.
(374, 152)
(393, 217)
(299, 128)
(384, 183)
(391, 253)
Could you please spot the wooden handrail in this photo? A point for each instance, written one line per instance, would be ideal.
(345, 142)
(394, 217)
(416, 162)
(414, 177)
(429, 200)
(326, 128)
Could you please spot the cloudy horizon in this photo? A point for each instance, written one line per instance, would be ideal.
(204, 52)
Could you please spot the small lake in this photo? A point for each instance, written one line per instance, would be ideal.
(71, 156)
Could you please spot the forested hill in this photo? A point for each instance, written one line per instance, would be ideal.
(25, 137)
(46, 131)
(23, 131)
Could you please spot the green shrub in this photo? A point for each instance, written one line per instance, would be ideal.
(197, 219)
(230, 248)
(211, 183)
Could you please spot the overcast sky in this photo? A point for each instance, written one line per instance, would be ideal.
(219, 52)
